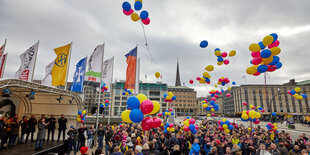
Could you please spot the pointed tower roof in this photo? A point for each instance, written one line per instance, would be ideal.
(178, 80)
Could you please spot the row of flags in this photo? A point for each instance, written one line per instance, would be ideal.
(56, 72)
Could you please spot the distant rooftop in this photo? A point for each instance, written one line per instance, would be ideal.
(306, 82)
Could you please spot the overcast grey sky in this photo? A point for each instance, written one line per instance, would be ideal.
(176, 29)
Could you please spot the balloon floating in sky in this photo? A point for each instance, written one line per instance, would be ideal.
(157, 75)
(222, 55)
(135, 15)
(203, 44)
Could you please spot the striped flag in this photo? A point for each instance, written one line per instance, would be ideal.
(131, 69)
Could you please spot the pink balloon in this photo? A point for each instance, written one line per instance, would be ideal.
(170, 109)
(274, 44)
(191, 81)
(147, 106)
(82, 121)
(253, 107)
(224, 54)
(216, 96)
(171, 125)
(226, 62)
(272, 68)
(220, 80)
(269, 123)
(106, 101)
(227, 95)
(272, 126)
(257, 61)
(213, 99)
(147, 124)
(216, 92)
(221, 128)
(146, 21)
(263, 110)
(196, 127)
(244, 103)
(186, 128)
(127, 13)
(257, 121)
(255, 54)
(192, 121)
(289, 92)
(236, 126)
(212, 114)
(247, 112)
(160, 114)
(257, 73)
(198, 78)
(219, 122)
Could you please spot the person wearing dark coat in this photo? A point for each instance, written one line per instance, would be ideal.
(51, 127)
(81, 136)
(24, 130)
(72, 139)
(14, 125)
(153, 150)
(32, 122)
(62, 127)
(41, 133)
(3, 133)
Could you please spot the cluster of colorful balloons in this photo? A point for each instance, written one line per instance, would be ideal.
(225, 125)
(137, 107)
(80, 117)
(203, 44)
(251, 115)
(189, 125)
(105, 104)
(296, 94)
(170, 97)
(169, 128)
(157, 75)
(127, 92)
(221, 56)
(215, 93)
(205, 76)
(128, 11)
(265, 60)
(167, 113)
(213, 107)
(272, 127)
(253, 107)
(104, 87)
(223, 81)
(148, 123)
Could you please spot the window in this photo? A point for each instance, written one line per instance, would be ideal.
(124, 98)
(116, 111)
(124, 103)
(164, 104)
(123, 108)
(154, 93)
(117, 98)
(107, 95)
(117, 103)
(117, 92)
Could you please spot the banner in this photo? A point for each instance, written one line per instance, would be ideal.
(47, 80)
(2, 64)
(131, 69)
(107, 72)
(95, 64)
(59, 71)
(28, 59)
(137, 85)
(79, 75)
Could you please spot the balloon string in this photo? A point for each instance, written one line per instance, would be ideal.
(146, 43)
(266, 91)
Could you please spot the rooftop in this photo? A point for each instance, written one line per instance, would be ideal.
(306, 82)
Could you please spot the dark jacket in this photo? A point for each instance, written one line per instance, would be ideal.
(15, 128)
(32, 124)
(72, 134)
(62, 123)
(154, 151)
(283, 150)
(81, 133)
(52, 122)
(24, 126)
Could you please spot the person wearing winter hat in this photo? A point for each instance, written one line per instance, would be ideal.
(84, 150)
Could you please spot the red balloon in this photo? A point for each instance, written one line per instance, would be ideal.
(186, 128)
(257, 61)
(191, 81)
(247, 112)
(255, 54)
(274, 44)
(82, 121)
(171, 125)
(219, 122)
(156, 122)
(170, 109)
(226, 62)
(289, 92)
(198, 78)
(196, 127)
(208, 82)
(272, 126)
(224, 54)
(244, 103)
(257, 121)
(213, 114)
(147, 106)
(146, 21)
(263, 110)
(147, 124)
(221, 128)
(220, 80)
(257, 73)
(216, 96)
(272, 68)
(253, 107)
(227, 95)
(127, 13)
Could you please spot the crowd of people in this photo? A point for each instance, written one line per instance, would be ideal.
(130, 139)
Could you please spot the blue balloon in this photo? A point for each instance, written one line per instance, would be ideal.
(212, 95)
(167, 124)
(165, 127)
(80, 112)
(266, 53)
(167, 110)
(234, 83)
(274, 114)
(227, 122)
(165, 96)
(126, 6)
(172, 113)
(293, 92)
(136, 115)
(222, 123)
(192, 127)
(187, 117)
(101, 105)
(275, 37)
(223, 83)
(125, 89)
(163, 113)
(217, 49)
(207, 80)
(83, 119)
(174, 98)
(215, 106)
(194, 131)
(124, 93)
(138, 5)
(208, 108)
(260, 108)
(216, 109)
(262, 68)
(203, 44)
(144, 14)
(106, 104)
(212, 102)
(133, 103)
(304, 95)
(220, 59)
(165, 131)
(262, 46)
(222, 91)
(279, 65)
(275, 60)
(230, 127)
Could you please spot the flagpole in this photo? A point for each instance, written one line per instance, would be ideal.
(68, 66)
(35, 61)
(135, 93)
(1, 57)
(109, 114)
(98, 103)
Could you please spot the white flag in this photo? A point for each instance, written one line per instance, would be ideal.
(95, 64)
(137, 88)
(28, 59)
(47, 80)
(107, 72)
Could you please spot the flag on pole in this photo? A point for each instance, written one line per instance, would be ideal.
(2, 64)
(107, 72)
(59, 71)
(47, 80)
(137, 84)
(131, 69)
(28, 59)
(95, 64)
(79, 75)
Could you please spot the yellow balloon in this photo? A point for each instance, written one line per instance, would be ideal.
(297, 89)
(139, 0)
(217, 53)
(251, 70)
(295, 95)
(212, 110)
(251, 106)
(125, 116)
(112, 127)
(227, 130)
(276, 128)
(220, 63)
(275, 50)
(244, 116)
(77, 116)
(243, 112)
(268, 40)
(168, 129)
(131, 90)
(84, 112)
(258, 115)
(229, 88)
(135, 17)
(215, 86)
(186, 123)
(232, 53)
(166, 113)
(156, 107)
(141, 97)
(299, 97)
(78, 119)
(203, 101)
(254, 47)
(222, 77)
(275, 124)
(126, 93)
(210, 68)
(208, 115)
(252, 114)
(225, 126)
(206, 74)
(218, 82)
(205, 105)
(172, 129)
(157, 75)
(267, 61)
(224, 119)
(170, 94)
(249, 129)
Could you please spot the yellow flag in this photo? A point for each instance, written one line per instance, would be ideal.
(59, 70)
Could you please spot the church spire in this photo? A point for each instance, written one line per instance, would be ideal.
(178, 80)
